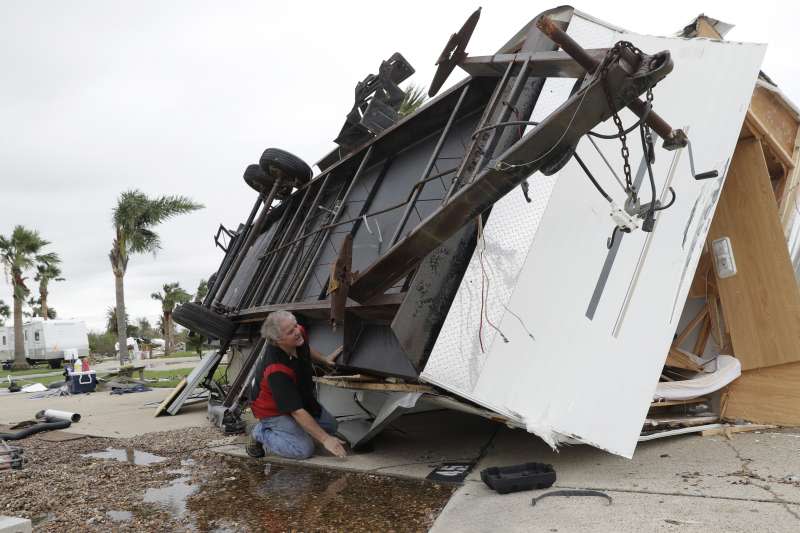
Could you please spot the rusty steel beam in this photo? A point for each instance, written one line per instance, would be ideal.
(547, 146)
(543, 64)
(673, 139)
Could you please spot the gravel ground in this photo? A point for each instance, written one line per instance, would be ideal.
(197, 489)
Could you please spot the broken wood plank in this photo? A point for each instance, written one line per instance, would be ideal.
(690, 327)
(386, 304)
(680, 420)
(376, 386)
(672, 403)
(761, 303)
(702, 337)
(775, 116)
(727, 430)
(681, 359)
(162, 408)
(763, 132)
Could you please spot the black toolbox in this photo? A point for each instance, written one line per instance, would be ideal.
(527, 476)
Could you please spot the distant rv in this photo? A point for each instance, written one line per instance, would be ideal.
(46, 340)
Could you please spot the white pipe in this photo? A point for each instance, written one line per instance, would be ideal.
(59, 415)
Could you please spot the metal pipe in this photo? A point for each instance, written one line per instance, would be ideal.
(294, 251)
(276, 273)
(231, 253)
(432, 161)
(267, 272)
(334, 218)
(672, 138)
(513, 95)
(251, 237)
(476, 141)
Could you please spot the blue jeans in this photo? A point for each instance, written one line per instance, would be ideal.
(281, 435)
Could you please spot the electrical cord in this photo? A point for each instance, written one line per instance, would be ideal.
(504, 124)
(642, 119)
(509, 166)
(591, 178)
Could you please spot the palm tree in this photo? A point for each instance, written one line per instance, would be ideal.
(195, 340)
(46, 271)
(134, 218)
(173, 294)
(37, 310)
(415, 97)
(202, 290)
(5, 312)
(18, 254)
(145, 329)
(112, 323)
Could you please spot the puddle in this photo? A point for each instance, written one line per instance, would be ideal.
(120, 516)
(173, 496)
(239, 496)
(127, 455)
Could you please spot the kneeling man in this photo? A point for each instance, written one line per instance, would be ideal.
(289, 417)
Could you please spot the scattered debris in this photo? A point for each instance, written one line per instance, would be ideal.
(570, 493)
(515, 478)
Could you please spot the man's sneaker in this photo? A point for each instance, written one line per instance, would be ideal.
(254, 448)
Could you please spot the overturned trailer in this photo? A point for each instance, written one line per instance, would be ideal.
(520, 247)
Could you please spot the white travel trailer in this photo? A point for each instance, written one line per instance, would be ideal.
(6, 343)
(46, 340)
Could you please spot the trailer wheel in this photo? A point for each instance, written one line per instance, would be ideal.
(30, 361)
(259, 180)
(54, 363)
(281, 164)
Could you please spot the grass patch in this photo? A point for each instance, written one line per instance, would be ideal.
(179, 354)
(175, 376)
(21, 373)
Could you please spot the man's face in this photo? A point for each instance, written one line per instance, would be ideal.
(291, 335)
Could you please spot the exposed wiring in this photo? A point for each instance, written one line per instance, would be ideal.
(502, 165)
(668, 204)
(591, 178)
(503, 125)
(647, 109)
(485, 281)
(605, 160)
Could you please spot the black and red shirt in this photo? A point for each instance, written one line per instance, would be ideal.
(284, 383)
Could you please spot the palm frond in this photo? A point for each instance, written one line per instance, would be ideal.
(415, 97)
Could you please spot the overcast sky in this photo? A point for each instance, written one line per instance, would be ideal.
(179, 97)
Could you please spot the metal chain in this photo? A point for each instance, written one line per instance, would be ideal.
(603, 70)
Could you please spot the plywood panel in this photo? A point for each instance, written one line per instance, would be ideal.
(761, 303)
(766, 396)
(780, 121)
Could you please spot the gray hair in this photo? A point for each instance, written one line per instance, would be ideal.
(271, 328)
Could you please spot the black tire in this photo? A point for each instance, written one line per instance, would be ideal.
(30, 361)
(54, 363)
(259, 180)
(281, 164)
(204, 321)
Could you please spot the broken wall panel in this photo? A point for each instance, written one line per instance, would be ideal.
(554, 367)
(761, 302)
(765, 395)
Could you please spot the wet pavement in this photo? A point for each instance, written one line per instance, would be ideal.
(176, 481)
(249, 495)
(128, 455)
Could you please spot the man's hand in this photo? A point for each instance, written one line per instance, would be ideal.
(334, 445)
(331, 359)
